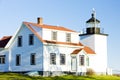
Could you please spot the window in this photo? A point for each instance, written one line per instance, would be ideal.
(62, 59)
(18, 59)
(54, 35)
(52, 58)
(82, 60)
(32, 59)
(19, 41)
(2, 59)
(68, 37)
(31, 39)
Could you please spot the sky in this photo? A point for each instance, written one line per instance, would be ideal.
(71, 14)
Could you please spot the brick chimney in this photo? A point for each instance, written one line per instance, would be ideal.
(40, 20)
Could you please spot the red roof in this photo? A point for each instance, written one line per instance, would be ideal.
(49, 26)
(76, 51)
(88, 50)
(4, 41)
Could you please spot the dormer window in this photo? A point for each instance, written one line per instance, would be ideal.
(54, 35)
(68, 37)
(31, 39)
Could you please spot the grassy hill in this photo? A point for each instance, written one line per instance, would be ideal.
(14, 76)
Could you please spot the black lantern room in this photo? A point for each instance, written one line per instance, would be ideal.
(93, 25)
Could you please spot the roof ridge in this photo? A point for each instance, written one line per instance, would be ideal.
(50, 26)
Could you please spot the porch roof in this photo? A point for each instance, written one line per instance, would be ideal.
(88, 50)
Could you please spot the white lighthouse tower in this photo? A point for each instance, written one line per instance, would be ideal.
(96, 40)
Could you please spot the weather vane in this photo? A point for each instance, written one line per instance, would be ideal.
(93, 12)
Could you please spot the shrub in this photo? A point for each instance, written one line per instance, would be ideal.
(90, 72)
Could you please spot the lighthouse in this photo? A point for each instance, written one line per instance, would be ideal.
(94, 38)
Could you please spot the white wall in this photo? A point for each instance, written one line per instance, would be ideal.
(48, 48)
(99, 44)
(46, 34)
(57, 49)
(101, 50)
(88, 40)
(61, 35)
(5, 67)
(25, 52)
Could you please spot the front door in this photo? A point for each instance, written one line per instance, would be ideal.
(74, 63)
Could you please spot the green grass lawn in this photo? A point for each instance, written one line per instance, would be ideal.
(14, 76)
